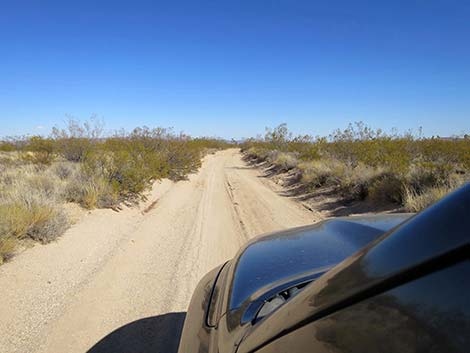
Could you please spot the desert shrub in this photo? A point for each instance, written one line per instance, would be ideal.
(33, 178)
(10, 159)
(415, 202)
(321, 172)
(30, 206)
(422, 176)
(124, 166)
(77, 139)
(205, 144)
(64, 170)
(182, 159)
(46, 183)
(39, 150)
(278, 138)
(76, 164)
(366, 163)
(35, 219)
(272, 155)
(354, 182)
(6, 146)
(306, 151)
(129, 166)
(386, 187)
(36, 158)
(74, 149)
(90, 191)
(418, 196)
(257, 154)
(26, 211)
(285, 161)
(97, 192)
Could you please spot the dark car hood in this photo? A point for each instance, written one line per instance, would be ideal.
(435, 238)
(312, 249)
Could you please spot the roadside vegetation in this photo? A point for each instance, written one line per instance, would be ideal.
(77, 164)
(361, 163)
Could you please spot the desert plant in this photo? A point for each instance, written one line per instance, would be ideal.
(90, 191)
(415, 202)
(386, 187)
(285, 161)
(77, 139)
(278, 137)
(7, 247)
(76, 164)
(365, 163)
(318, 173)
(64, 170)
(27, 213)
(6, 146)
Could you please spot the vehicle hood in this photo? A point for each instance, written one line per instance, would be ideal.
(303, 251)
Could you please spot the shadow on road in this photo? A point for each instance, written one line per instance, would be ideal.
(153, 334)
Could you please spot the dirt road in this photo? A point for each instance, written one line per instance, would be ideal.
(134, 271)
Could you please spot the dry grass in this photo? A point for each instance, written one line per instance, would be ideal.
(32, 198)
(90, 191)
(321, 172)
(415, 202)
(34, 217)
(257, 154)
(30, 205)
(285, 161)
(417, 199)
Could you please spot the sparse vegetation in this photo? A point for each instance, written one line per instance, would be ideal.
(77, 164)
(415, 202)
(30, 206)
(362, 163)
(38, 175)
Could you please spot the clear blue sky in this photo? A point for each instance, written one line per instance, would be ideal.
(230, 68)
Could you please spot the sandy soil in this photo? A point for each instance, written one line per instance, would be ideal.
(121, 281)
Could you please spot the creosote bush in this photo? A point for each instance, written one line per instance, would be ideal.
(363, 163)
(78, 164)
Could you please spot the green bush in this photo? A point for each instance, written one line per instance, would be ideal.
(365, 163)
(39, 150)
(76, 164)
(6, 146)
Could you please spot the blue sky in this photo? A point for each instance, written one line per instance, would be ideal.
(230, 68)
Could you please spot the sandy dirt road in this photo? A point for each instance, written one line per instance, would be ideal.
(121, 281)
